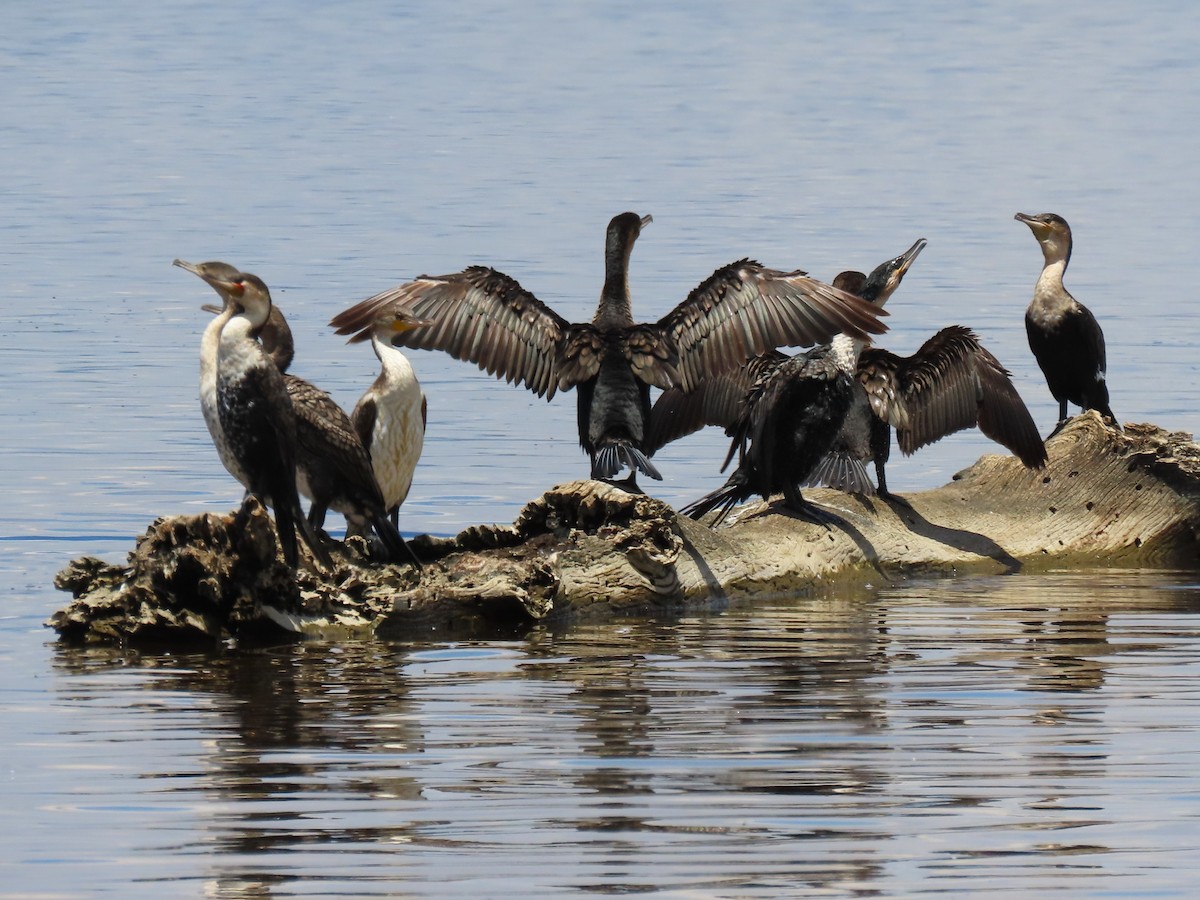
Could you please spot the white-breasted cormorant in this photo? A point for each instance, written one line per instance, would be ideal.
(390, 416)
(1064, 336)
(256, 414)
(215, 274)
(742, 309)
(333, 468)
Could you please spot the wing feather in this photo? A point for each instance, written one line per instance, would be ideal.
(481, 316)
(719, 400)
(744, 309)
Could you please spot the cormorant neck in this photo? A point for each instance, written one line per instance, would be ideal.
(390, 359)
(615, 309)
(1050, 282)
(210, 341)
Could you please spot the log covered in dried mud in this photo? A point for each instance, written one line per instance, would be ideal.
(588, 549)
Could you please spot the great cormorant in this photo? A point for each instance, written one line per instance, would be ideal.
(742, 309)
(1064, 336)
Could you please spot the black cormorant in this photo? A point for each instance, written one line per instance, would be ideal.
(952, 382)
(788, 421)
(1064, 336)
(742, 309)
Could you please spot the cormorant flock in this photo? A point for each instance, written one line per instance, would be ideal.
(815, 418)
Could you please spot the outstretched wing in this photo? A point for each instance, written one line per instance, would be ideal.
(952, 382)
(940, 388)
(744, 309)
(1003, 415)
(715, 401)
(485, 317)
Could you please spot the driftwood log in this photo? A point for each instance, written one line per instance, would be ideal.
(589, 549)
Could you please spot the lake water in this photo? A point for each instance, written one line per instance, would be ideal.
(999, 735)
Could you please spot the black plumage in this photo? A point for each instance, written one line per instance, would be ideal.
(1065, 337)
(333, 466)
(742, 309)
(952, 382)
(787, 423)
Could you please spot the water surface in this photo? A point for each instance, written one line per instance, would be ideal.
(1009, 735)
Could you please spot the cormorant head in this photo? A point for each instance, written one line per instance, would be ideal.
(1052, 232)
(886, 277)
(249, 296)
(396, 322)
(851, 282)
(623, 230)
(215, 273)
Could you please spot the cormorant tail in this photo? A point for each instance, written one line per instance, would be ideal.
(842, 472)
(735, 490)
(614, 455)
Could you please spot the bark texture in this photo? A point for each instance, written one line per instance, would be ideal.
(588, 549)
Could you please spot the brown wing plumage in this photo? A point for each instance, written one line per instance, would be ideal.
(1003, 415)
(652, 358)
(322, 427)
(485, 317)
(715, 401)
(366, 411)
(744, 309)
(952, 382)
(941, 388)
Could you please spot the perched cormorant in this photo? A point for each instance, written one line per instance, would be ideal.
(718, 400)
(255, 412)
(333, 468)
(952, 382)
(484, 316)
(390, 417)
(216, 274)
(788, 421)
(1064, 336)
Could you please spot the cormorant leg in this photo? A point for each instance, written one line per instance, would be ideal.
(806, 510)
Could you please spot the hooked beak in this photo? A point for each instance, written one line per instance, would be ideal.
(909, 256)
(406, 322)
(1038, 228)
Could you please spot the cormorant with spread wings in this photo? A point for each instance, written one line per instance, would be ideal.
(741, 310)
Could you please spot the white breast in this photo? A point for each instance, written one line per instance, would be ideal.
(399, 433)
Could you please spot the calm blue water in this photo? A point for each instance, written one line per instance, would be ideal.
(918, 738)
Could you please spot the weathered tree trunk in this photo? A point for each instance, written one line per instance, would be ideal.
(589, 549)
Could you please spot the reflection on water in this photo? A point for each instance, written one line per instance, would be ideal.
(941, 735)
